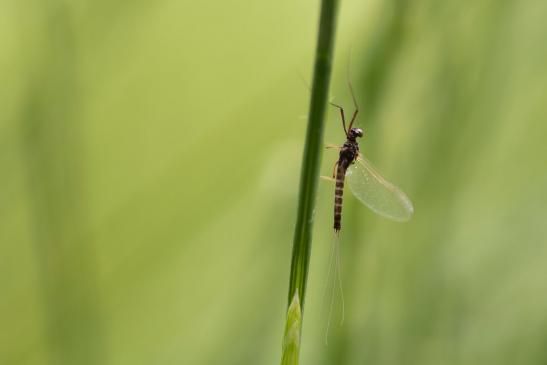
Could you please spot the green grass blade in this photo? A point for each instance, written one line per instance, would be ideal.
(312, 159)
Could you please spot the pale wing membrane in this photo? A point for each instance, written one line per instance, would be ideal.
(377, 193)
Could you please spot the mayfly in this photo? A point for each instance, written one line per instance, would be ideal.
(368, 186)
(364, 181)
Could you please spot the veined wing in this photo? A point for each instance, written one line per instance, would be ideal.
(377, 193)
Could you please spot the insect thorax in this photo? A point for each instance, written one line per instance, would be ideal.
(348, 153)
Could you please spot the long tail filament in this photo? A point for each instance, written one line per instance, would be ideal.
(336, 278)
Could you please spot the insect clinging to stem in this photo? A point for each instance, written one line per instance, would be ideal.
(368, 186)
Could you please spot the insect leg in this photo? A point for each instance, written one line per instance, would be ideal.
(342, 114)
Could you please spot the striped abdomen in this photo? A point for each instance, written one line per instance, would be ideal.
(338, 197)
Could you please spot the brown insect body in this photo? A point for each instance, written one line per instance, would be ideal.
(348, 154)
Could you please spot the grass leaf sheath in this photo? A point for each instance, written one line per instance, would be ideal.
(291, 339)
(310, 170)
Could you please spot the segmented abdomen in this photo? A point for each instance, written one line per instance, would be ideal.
(338, 197)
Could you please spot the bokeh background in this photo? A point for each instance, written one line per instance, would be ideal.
(149, 164)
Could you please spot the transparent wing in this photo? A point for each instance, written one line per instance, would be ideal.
(376, 193)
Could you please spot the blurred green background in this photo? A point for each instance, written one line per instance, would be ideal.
(149, 161)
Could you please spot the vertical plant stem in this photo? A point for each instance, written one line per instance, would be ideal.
(311, 160)
(51, 141)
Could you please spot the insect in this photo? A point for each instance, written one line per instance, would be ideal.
(364, 181)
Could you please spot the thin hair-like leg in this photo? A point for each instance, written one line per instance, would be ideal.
(342, 115)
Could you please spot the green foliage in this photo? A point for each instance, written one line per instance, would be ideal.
(311, 163)
(149, 163)
(313, 149)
